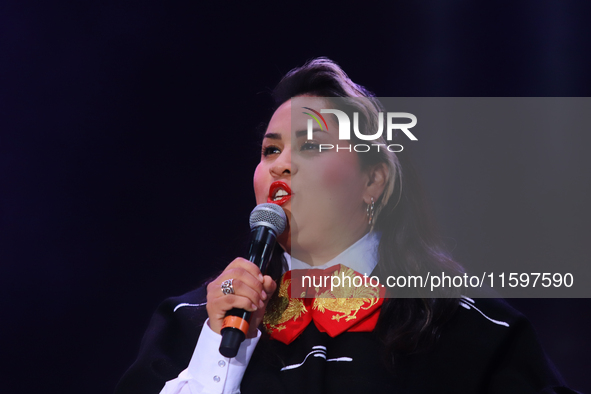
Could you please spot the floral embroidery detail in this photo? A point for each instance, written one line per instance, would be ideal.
(346, 300)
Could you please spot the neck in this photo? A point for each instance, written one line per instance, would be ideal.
(324, 251)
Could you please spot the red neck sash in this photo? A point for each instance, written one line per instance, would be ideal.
(353, 306)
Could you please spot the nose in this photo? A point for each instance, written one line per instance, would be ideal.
(282, 165)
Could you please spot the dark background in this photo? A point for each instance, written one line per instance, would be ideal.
(128, 138)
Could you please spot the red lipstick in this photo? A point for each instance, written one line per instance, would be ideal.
(277, 187)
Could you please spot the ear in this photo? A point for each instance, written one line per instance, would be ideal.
(376, 182)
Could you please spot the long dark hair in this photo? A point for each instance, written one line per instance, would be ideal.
(409, 244)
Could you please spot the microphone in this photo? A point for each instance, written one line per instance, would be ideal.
(267, 222)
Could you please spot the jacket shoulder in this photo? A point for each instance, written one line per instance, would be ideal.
(168, 344)
(496, 345)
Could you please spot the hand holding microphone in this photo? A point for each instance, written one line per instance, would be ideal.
(249, 292)
(242, 290)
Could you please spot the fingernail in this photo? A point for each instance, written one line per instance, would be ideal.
(263, 295)
(261, 304)
(254, 307)
(261, 277)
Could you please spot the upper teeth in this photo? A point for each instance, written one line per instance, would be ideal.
(280, 193)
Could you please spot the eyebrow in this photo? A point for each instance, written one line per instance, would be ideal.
(272, 136)
(302, 133)
(298, 134)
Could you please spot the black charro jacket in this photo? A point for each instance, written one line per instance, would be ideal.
(486, 347)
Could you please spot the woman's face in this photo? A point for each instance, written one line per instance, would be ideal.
(324, 194)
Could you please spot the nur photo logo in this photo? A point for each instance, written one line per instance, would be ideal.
(344, 129)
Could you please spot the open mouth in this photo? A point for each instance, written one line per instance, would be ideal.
(279, 193)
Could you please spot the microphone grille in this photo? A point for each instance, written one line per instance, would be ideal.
(268, 215)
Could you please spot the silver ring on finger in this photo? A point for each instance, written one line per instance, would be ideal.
(227, 287)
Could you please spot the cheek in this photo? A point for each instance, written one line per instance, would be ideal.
(341, 174)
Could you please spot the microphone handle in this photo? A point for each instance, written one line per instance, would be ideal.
(237, 321)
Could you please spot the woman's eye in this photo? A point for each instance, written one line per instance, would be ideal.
(270, 150)
(310, 146)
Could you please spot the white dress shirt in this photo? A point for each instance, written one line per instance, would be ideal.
(211, 373)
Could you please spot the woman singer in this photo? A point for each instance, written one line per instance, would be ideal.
(350, 214)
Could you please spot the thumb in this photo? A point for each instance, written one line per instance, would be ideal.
(269, 286)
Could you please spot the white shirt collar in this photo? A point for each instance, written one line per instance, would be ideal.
(362, 256)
